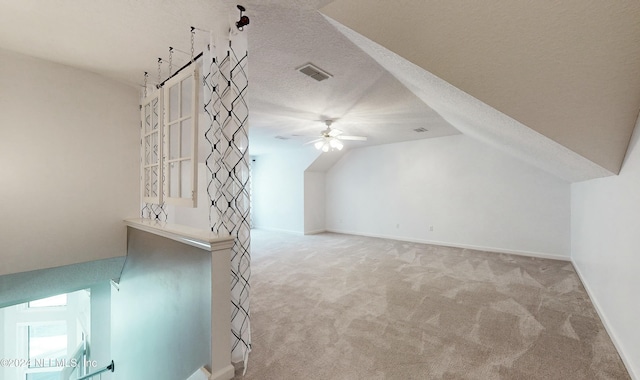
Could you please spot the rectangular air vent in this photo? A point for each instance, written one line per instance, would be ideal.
(282, 138)
(314, 72)
(420, 130)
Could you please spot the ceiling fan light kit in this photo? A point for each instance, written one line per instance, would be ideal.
(337, 144)
(330, 139)
(329, 143)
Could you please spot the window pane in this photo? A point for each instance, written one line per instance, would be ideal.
(47, 343)
(174, 178)
(151, 150)
(59, 300)
(154, 182)
(151, 182)
(187, 139)
(147, 182)
(154, 113)
(186, 179)
(147, 118)
(148, 150)
(174, 141)
(51, 375)
(174, 102)
(187, 89)
(155, 148)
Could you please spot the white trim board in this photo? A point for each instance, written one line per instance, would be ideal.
(225, 373)
(314, 232)
(605, 323)
(541, 255)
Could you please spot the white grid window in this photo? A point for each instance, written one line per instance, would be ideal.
(169, 142)
(152, 148)
(180, 143)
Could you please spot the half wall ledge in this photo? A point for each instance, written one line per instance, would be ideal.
(184, 234)
(220, 249)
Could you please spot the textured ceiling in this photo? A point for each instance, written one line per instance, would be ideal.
(122, 39)
(570, 70)
(363, 97)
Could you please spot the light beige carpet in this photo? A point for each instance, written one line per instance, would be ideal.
(337, 306)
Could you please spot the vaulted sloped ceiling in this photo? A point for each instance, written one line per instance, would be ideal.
(556, 83)
(569, 70)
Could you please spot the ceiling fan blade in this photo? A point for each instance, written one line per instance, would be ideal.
(355, 138)
(313, 141)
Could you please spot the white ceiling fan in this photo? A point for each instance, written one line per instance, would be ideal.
(330, 139)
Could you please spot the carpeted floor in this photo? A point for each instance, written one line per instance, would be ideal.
(334, 306)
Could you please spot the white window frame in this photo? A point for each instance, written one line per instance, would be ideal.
(19, 318)
(146, 133)
(189, 116)
(186, 118)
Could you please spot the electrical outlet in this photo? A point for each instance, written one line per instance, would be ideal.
(398, 225)
(431, 228)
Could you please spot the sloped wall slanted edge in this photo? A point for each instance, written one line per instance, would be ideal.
(479, 120)
(26, 286)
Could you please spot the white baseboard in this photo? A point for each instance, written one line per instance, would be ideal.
(200, 374)
(226, 373)
(314, 232)
(542, 255)
(605, 323)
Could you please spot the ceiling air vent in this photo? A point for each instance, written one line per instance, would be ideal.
(420, 130)
(314, 72)
(282, 138)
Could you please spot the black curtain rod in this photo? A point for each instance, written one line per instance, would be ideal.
(180, 69)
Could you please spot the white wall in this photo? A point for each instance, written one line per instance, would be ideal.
(69, 153)
(472, 195)
(161, 314)
(314, 202)
(278, 189)
(605, 224)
